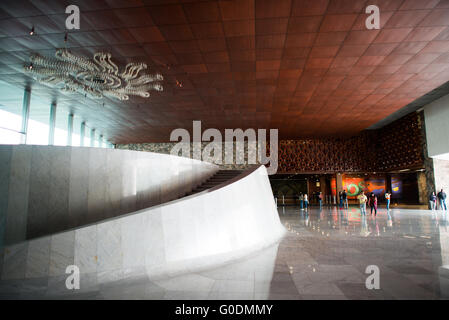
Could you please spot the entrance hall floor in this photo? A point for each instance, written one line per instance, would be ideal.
(324, 255)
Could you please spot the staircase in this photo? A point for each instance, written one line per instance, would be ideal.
(218, 178)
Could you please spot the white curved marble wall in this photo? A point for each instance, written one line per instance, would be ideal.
(203, 230)
(48, 189)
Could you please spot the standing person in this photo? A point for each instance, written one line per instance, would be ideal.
(320, 199)
(301, 201)
(388, 197)
(362, 201)
(372, 201)
(340, 197)
(442, 200)
(433, 201)
(306, 201)
(345, 199)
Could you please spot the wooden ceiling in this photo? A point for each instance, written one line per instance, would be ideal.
(306, 67)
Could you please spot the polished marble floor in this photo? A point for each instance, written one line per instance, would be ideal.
(324, 255)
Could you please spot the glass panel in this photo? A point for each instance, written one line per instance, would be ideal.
(76, 140)
(76, 136)
(38, 128)
(87, 137)
(9, 137)
(37, 133)
(60, 137)
(10, 121)
(62, 118)
(11, 100)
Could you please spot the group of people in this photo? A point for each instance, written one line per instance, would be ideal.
(303, 201)
(343, 196)
(371, 201)
(441, 197)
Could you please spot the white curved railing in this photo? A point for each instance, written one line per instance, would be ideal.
(49, 189)
(209, 228)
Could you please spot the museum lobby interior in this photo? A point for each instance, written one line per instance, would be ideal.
(118, 180)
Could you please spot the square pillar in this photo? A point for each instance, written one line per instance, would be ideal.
(69, 129)
(52, 123)
(25, 114)
(82, 133)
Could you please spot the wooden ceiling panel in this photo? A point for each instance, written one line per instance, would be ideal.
(176, 32)
(134, 17)
(271, 26)
(171, 14)
(272, 8)
(418, 4)
(147, 34)
(304, 24)
(309, 8)
(207, 30)
(240, 63)
(239, 28)
(202, 12)
(338, 22)
(236, 9)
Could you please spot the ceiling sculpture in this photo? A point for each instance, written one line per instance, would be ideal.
(97, 78)
(307, 67)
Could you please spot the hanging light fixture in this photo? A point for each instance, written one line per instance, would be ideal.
(96, 78)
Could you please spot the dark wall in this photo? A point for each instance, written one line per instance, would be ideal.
(405, 188)
(281, 185)
(396, 146)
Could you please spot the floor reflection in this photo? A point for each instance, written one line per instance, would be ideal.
(324, 255)
(241, 279)
(332, 247)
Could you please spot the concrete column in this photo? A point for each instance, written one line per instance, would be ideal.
(82, 133)
(323, 188)
(69, 129)
(51, 124)
(25, 114)
(422, 188)
(339, 181)
(92, 138)
(441, 171)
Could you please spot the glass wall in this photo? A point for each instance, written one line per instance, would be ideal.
(10, 126)
(61, 127)
(76, 135)
(87, 137)
(11, 100)
(38, 122)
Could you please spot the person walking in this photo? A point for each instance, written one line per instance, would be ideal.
(372, 202)
(306, 201)
(433, 201)
(301, 201)
(388, 197)
(362, 201)
(345, 199)
(442, 200)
